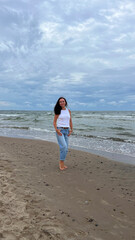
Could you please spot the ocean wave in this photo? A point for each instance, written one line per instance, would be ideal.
(50, 113)
(115, 139)
(8, 115)
(36, 120)
(41, 129)
(85, 129)
(99, 137)
(15, 127)
(14, 119)
(118, 128)
(127, 134)
(118, 118)
(104, 115)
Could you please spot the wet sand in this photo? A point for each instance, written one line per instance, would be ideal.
(94, 199)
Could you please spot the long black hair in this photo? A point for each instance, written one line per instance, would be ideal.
(57, 108)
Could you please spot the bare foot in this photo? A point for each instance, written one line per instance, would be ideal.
(61, 165)
(65, 167)
(61, 168)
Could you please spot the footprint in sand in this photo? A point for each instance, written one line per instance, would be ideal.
(1, 204)
(7, 235)
(105, 202)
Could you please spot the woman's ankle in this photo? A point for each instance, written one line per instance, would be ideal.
(61, 164)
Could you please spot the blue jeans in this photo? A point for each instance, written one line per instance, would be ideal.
(63, 142)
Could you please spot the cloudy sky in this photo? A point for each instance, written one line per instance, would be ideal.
(83, 50)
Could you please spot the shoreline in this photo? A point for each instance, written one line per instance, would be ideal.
(109, 155)
(93, 199)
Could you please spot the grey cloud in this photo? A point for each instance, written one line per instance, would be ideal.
(85, 46)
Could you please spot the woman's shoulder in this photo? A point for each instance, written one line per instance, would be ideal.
(69, 110)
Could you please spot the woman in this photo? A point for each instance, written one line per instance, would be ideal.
(64, 127)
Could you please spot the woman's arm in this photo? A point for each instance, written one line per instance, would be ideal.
(71, 125)
(55, 121)
(55, 124)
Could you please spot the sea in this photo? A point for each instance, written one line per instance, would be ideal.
(107, 133)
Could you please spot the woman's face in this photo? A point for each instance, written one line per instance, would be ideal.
(62, 102)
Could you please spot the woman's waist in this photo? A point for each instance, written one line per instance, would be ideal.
(63, 124)
(59, 127)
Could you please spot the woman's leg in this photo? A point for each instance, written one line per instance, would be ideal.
(63, 149)
(66, 140)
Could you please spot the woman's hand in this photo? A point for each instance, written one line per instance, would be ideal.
(70, 131)
(58, 132)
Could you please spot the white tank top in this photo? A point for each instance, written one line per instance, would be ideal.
(63, 119)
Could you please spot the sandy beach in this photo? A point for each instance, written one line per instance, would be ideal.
(94, 199)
